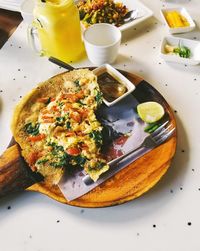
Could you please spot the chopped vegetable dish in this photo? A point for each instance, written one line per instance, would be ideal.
(101, 11)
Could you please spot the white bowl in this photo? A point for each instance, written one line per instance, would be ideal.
(106, 68)
(184, 13)
(194, 47)
(26, 9)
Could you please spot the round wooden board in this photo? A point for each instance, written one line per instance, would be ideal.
(132, 181)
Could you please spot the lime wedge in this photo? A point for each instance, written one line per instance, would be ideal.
(150, 112)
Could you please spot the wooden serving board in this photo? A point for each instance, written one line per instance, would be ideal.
(126, 185)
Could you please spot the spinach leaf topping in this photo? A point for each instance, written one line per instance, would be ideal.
(99, 97)
(32, 129)
(97, 136)
(68, 125)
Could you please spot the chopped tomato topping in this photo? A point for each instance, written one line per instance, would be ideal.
(46, 117)
(37, 137)
(70, 133)
(50, 120)
(67, 107)
(84, 146)
(55, 108)
(73, 151)
(76, 116)
(45, 99)
(73, 97)
(80, 94)
(33, 157)
(84, 113)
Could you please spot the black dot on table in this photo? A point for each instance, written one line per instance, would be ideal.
(57, 221)
(82, 211)
(183, 151)
(154, 47)
(20, 96)
(135, 29)
(19, 69)
(9, 207)
(181, 188)
(11, 45)
(171, 191)
(1, 90)
(195, 79)
(159, 63)
(14, 79)
(199, 189)
(189, 223)
(24, 76)
(30, 236)
(19, 47)
(175, 111)
(166, 84)
(192, 169)
(194, 37)
(185, 65)
(138, 234)
(154, 225)
(126, 44)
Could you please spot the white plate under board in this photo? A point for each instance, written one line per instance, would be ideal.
(193, 45)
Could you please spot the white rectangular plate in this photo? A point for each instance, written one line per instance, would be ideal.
(143, 13)
(194, 47)
(183, 12)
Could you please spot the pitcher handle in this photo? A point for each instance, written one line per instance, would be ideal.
(32, 34)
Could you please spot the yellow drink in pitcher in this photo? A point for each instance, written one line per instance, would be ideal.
(58, 25)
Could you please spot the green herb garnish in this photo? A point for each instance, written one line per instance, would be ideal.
(99, 97)
(41, 161)
(151, 127)
(60, 120)
(182, 51)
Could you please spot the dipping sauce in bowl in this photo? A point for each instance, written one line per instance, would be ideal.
(110, 86)
(113, 85)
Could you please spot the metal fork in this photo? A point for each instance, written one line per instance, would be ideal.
(159, 136)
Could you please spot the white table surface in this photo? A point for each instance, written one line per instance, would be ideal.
(165, 218)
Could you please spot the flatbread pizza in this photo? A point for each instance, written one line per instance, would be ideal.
(56, 126)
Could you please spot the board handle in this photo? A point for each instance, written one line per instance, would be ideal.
(15, 175)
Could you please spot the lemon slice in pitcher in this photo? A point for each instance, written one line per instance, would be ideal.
(150, 112)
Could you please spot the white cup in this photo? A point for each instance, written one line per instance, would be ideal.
(102, 43)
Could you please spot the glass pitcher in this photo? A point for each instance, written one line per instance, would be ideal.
(57, 24)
